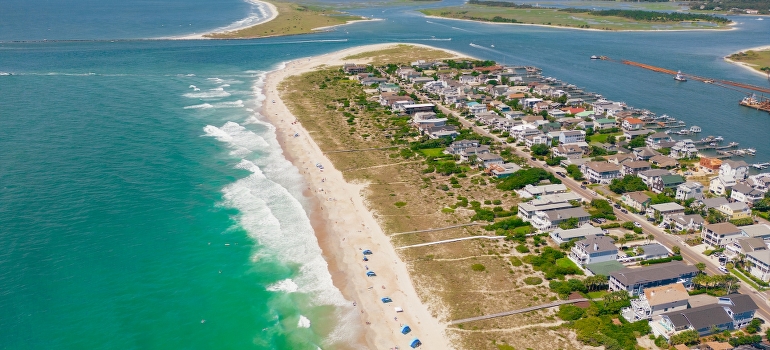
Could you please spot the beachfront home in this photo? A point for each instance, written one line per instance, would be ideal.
(730, 312)
(679, 223)
(560, 235)
(730, 172)
(719, 235)
(486, 160)
(632, 123)
(468, 153)
(654, 140)
(759, 264)
(527, 210)
(634, 167)
(761, 231)
(421, 107)
(568, 151)
(545, 221)
(655, 301)
(635, 280)
(601, 172)
(684, 149)
(689, 190)
(530, 191)
(503, 170)
(594, 249)
(350, 68)
(458, 146)
(573, 136)
(638, 200)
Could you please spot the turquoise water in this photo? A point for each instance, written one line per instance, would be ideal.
(137, 212)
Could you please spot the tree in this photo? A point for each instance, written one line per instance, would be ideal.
(539, 149)
(676, 250)
(569, 224)
(628, 183)
(686, 337)
(700, 266)
(636, 142)
(715, 216)
(574, 172)
(611, 139)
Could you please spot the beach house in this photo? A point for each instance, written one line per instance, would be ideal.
(719, 235)
(635, 280)
(560, 235)
(594, 249)
(689, 190)
(637, 200)
(601, 172)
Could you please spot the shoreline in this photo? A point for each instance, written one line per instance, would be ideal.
(203, 36)
(344, 226)
(746, 65)
(731, 26)
(346, 23)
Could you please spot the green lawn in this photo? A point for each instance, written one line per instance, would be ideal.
(432, 152)
(603, 137)
(566, 262)
(597, 294)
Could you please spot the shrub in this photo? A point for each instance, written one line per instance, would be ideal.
(522, 249)
(478, 267)
(533, 281)
(570, 312)
(515, 261)
(400, 204)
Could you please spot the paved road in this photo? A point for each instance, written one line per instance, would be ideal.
(689, 254)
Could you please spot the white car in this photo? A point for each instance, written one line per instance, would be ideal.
(723, 270)
(637, 224)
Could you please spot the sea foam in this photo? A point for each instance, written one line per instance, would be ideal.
(286, 285)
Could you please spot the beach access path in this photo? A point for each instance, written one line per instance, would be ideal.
(345, 226)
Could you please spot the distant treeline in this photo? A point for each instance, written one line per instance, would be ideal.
(652, 16)
(762, 5)
(499, 4)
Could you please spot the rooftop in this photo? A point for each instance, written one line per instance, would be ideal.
(665, 207)
(638, 196)
(666, 294)
(567, 213)
(700, 317)
(595, 244)
(602, 167)
(654, 249)
(657, 272)
(723, 228)
(758, 230)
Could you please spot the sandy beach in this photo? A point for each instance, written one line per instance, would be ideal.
(242, 24)
(345, 227)
(746, 65)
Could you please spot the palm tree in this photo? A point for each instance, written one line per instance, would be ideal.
(700, 266)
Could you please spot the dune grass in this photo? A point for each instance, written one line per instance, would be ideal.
(753, 58)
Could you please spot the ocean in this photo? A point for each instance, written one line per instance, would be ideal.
(144, 202)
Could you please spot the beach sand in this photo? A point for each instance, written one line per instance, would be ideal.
(746, 65)
(273, 15)
(345, 227)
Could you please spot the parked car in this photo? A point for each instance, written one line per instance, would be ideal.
(624, 211)
(583, 187)
(617, 206)
(651, 219)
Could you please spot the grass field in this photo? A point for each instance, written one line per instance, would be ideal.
(603, 137)
(597, 294)
(553, 17)
(432, 152)
(567, 262)
(292, 19)
(755, 59)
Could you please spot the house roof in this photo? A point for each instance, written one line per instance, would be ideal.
(691, 185)
(646, 152)
(655, 172)
(761, 255)
(605, 267)
(735, 163)
(665, 207)
(657, 272)
(582, 231)
(700, 317)
(685, 219)
(664, 160)
(566, 213)
(723, 228)
(489, 156)
(658, 135)
(605, 121)
(638, 196)
(671, 179)
(637, 164)
(634, 121)
(602, 167)
(740, 303)
(714, 202)
(597, 244)
(758, 230)
(654, 249)
(718, 345)
(736, 206)
(666, 294)
(750, 244)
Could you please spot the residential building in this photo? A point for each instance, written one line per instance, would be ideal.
(684, 149)
(650, 176)
(594, 249)
(632, 123)
(742, 192)
(719, 235)
(659, 184)
(731, 312)
(573, 136)
(692, 222)
(350, 68)
(654, 139)
(634, 167)
(466, 154)
(713, 203)
(730, 173)
(637, 200)
(759, 264)
(630, 134)
(761, 231)
(486, 160)
(568, 151)
(605, 123)
(619, 158)
(689, 190)
(601, 172)
(745, 245)
(655, 301)
(421, 107)
(645, 153)
(537, 139)
(654, 251)
(528, 209)
(458, 147)
(710, 163)
(560, 235)
(503, 170)
(546, 221)
(635, 280)
(664, 210)
(662, 161)
(735, 210)
(530, 191)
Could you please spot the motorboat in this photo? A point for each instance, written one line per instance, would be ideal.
(679, 76)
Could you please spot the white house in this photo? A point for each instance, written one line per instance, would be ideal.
(689, 190)
(601, 172)
(594, 249)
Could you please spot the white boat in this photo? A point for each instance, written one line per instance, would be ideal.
(719, 138)
(491, 45)
(679, 76)
(594, 57)
(683, 132)
(695, 129)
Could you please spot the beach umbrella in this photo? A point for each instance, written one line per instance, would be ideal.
(405, 329)
(370, 273)
(386, 300)
(415, 343)
(367, 252)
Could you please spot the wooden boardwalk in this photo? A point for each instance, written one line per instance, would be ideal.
(440, 228)
(519, 311)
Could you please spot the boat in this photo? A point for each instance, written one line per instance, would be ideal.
(695, 129)
(751, 151)
(683, 132)
(5, 73)
(752, 101)
(594, 57)
(491, 45)
(719, 139)
(708, 81)
(679, 76)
